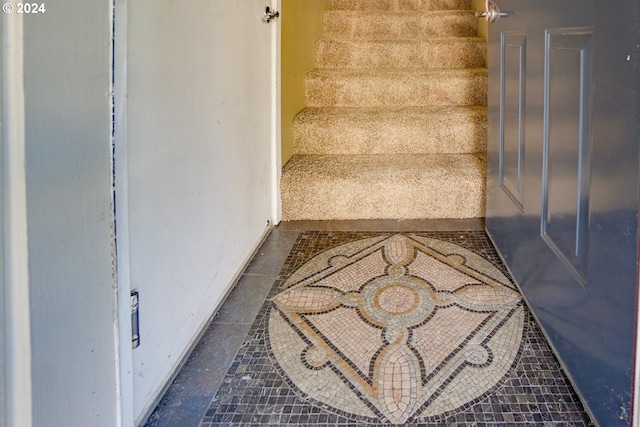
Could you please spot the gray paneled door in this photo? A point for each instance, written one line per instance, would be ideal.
(562, 190)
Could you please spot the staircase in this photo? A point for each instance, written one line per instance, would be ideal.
(395, 123)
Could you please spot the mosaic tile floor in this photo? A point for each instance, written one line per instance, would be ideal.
(367, 328)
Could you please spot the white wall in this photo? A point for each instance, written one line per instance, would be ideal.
(200, 161)
(67, 134)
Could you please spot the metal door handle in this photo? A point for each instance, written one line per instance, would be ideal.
(491, 12)
(269, 14)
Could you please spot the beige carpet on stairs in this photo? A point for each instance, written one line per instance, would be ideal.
(395, 124)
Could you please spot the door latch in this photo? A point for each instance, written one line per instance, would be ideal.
(270, 14)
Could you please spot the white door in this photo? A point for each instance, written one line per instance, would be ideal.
(196, 170)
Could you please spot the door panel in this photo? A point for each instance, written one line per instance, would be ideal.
(568, 232)
(566, 145)
(512, 108)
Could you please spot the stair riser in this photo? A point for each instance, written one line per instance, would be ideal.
(413, 136)
(307, 199)
(400, 5)
(322, 206)
(444, 53)
(396, 90)
(389, 186)
(382, 25)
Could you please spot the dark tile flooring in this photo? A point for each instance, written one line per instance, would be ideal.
(231, 377)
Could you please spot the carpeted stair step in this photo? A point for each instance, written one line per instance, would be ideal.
(410, 130)
(347, 24)
(395, 124)
(434, 53)
(395, 88)
(405, 5)
(383, 186)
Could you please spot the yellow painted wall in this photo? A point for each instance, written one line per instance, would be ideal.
(483, 25)
(301, 27)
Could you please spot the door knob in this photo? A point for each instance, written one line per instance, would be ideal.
(269, 14)
(491, 12)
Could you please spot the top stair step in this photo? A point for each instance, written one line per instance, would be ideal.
(400, 5)
(380, 25)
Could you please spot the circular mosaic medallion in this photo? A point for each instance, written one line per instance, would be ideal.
(396, 328)
(396, 299)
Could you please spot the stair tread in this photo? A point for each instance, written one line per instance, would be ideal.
(413, 5)
(357, 87)
(374, 113)
(445, 53)
(401, 13)
(383, 186)
(406, 40)
(393, 166)
(346, 24)
(335, 130)
(394, 72)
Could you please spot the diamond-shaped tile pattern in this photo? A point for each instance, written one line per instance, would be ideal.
(398, 348)
(399, 339)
